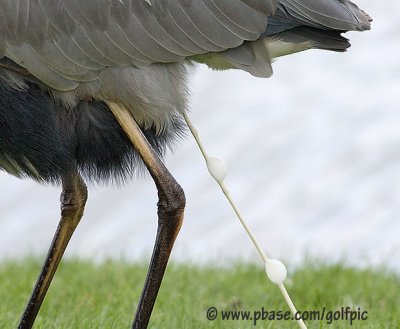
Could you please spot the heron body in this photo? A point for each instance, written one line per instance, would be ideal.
(95, 89)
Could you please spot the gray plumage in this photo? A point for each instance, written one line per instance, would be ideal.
(137, 54)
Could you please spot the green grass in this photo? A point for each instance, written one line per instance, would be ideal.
(84, 295)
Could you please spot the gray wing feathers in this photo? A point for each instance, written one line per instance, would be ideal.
(97, 13)
(18, 17)
(237, 14)
(252, 57)
(59, 17)
(316, 38)
(63, 42)
(333, 14)
(25, 56)
(267, 7)
(9, 17)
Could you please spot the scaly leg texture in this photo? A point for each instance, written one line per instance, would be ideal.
(73, 200)
(171, 205)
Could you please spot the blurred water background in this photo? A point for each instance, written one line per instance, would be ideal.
(314, 158)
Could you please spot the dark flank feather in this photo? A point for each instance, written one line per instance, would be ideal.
(42, 139)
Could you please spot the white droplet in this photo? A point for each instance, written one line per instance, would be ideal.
(217, 168)
(276, 271)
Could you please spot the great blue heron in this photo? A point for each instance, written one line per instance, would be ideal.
(97, 88)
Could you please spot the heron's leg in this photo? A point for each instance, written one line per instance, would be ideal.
(73, 199)
(171, 205)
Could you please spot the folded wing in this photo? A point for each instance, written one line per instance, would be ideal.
(67, 42)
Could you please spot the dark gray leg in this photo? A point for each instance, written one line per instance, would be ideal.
(73, 199)
(170, 214)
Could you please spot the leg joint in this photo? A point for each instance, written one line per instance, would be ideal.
(172, 199)
(74, 196)
(171, 206)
